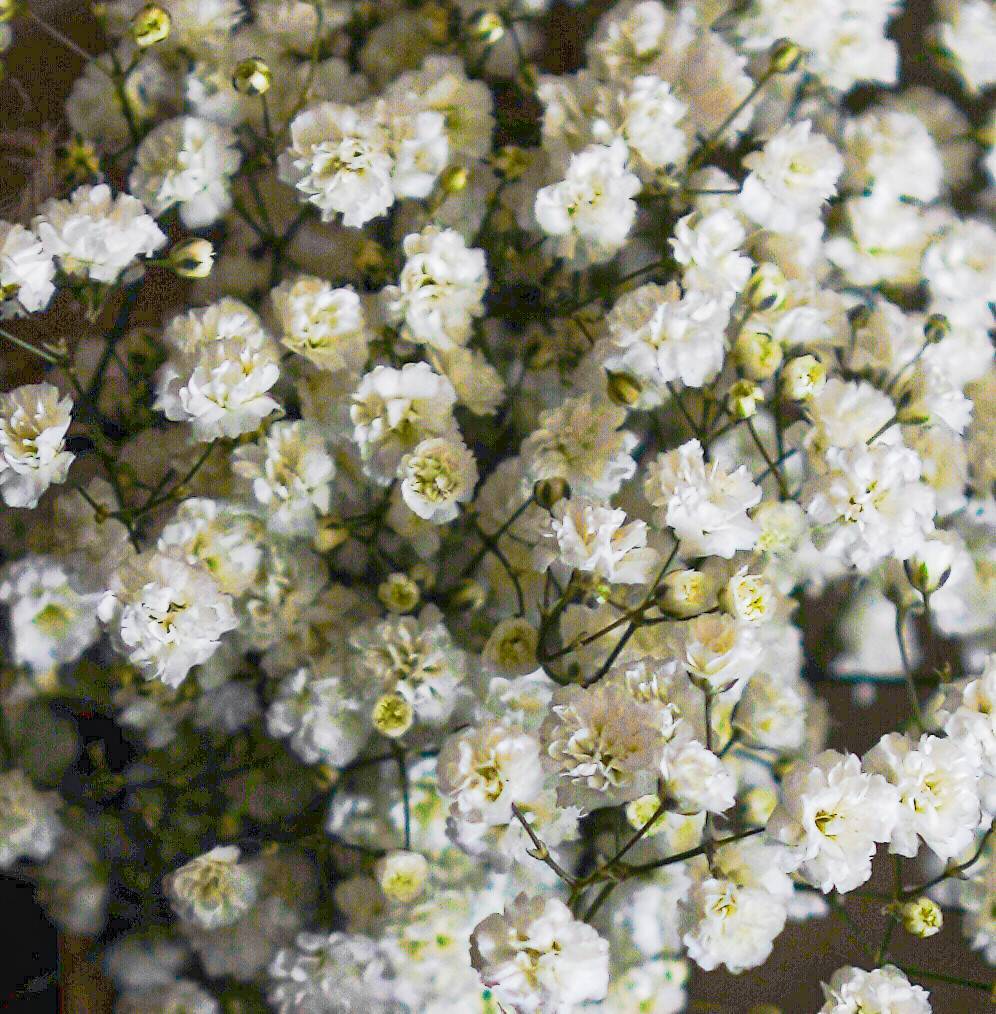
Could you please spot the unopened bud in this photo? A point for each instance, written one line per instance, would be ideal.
(467, 596)
(623, 389)
(785, 57)
(742, 399)
(150, 25)
(766, 287)
(548, 492)
(192, 258)
(402, 875)
(757, 352)
(512, 647)
(252, 76)
(489, 28)
(399, 593)
(803, 377)
(511, 161)
(392, 715)
(922, 917)
(930, 566)
(454, 179)
(937, 328)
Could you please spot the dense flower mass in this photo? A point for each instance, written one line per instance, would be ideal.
(498, 503)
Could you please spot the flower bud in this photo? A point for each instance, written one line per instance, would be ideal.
(937, 328)
(467, 596)
(392, 715)
(511, 161)
(685, 593)
(742, 399)
(402, 875)
(784, 57)
(489, 28)
(803, 377)
(757, 353)
(150, 25)
(623, 389)
(454, 179)
(548, 492)
(399, 593)
(766, 287)
(922, 917)
(252, 76)
(192, 258)
(930, 566)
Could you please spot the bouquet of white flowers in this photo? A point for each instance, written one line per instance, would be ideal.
(467, 447)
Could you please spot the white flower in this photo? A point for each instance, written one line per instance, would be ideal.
(719, 652)
(26, 271)
(849, 413)
(440, 290)
(167, 616)
(97, 235)
(186, 161)
(596, 540)
(321, 323)
(592, 210)
(214, 889)
(960, 268)
(336, 974)
(395, 410)
(437, 475)
(219, 377)
(830, 815)
(291, 472)
(660, 336)
(580, 441)
(893, 151)
(853, 990)
(33, 455)
(29, 822)
(487, 769)
(412, 657)
(602, 744)
(790, 178)
(537, 958)
(937, 780)
(402, 875)
(772, 713)
(51, 620)
(733, 925)
(968, 713)
(707, 245)
(870, 504)
(219, 537)
(966, 36)
(696, 779)
(706, 505)
(651, 118)
(323, 715)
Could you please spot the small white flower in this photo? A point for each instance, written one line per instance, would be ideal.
(831, 815)
(97, 235)
(402, 875)
(291, 472)
(167, 616)
(790, 178)
(706, 505)
(437, 476)
(592, 210)
(696, 779)
(33, 455)
(321, 323)
(883, 989)
(214, 889)
(537, 958)
(596, 540)
(707, 245)
(26, 271)
(29, 822)
(187, 161)
(440, 290)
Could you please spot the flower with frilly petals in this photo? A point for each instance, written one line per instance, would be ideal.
(33, 455)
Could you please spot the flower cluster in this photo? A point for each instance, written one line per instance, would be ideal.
(454, 471)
